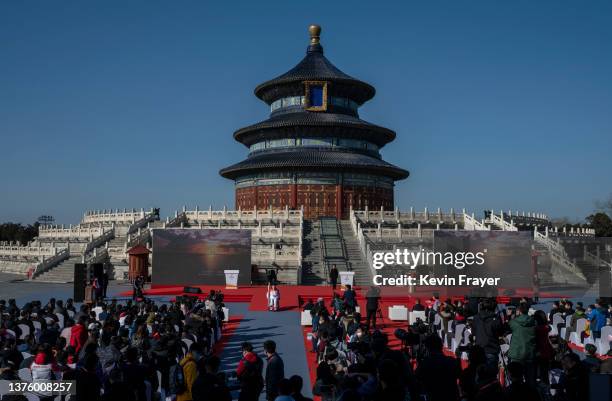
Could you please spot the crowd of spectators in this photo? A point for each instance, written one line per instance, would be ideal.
(140, 350)
(509, 353)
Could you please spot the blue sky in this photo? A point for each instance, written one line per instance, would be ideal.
(113, 104)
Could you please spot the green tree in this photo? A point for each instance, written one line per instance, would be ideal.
(602, 223)
(18, 232)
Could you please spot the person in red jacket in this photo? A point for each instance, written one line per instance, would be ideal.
(78, 334)
(249, 373)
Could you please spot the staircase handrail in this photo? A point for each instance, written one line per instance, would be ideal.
(141, 238)
(502, 223)
(149, 217)
(47, 264)
(471, 223)
(99, 241)
(549, 243)
(597, 261)
(568, 264)
(177, 220)
(558, 253)
(97, 256)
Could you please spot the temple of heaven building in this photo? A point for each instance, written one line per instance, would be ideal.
(314, 151)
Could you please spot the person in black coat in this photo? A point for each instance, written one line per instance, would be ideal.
(372, 299)
(275, 370)
(333, 276)
(209, 385)
(438, 373)
(487, 328)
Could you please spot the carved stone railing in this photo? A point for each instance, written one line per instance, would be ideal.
(29, 251)
(472, 224)
(99, 241)
(244, 215)
(596, 259)
(116, 216)
(558, 254)
(77, 232)
(396, 216)
(545, 240)
(500, 222)
(49, 263)
(271, 255)
(142, 223)
(97, 255)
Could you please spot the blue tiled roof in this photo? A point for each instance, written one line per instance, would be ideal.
(314, 159)
(364, 129)
(315, 66)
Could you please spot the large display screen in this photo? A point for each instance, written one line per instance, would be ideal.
(199, 257)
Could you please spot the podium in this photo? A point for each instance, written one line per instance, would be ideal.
(347, 278)
(231, 279)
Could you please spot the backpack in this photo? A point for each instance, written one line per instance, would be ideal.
(177, 379)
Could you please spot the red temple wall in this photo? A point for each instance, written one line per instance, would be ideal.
(317, 199)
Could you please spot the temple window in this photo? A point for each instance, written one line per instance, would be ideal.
(316, 95)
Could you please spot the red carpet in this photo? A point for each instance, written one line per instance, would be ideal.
(292, 296)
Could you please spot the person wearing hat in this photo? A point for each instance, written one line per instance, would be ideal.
(8, 371)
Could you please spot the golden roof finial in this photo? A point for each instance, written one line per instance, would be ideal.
(315, 33)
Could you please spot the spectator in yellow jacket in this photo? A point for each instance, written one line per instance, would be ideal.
(190, 371)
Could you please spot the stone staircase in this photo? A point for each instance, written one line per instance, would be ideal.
(313, 269)
(355, 260)
(62, 273)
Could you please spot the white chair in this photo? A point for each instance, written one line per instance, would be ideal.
(503, 352)
(457, 340)
(60, 319)
(557, 318)
(25, 331)
(305, 318)
(414, 315)
(66, 333)
(398, 312)
(25, 374)
(575, 336)
(568, 323)
(438, 322)
(160, 389)
(604, 342)
(32, 397)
